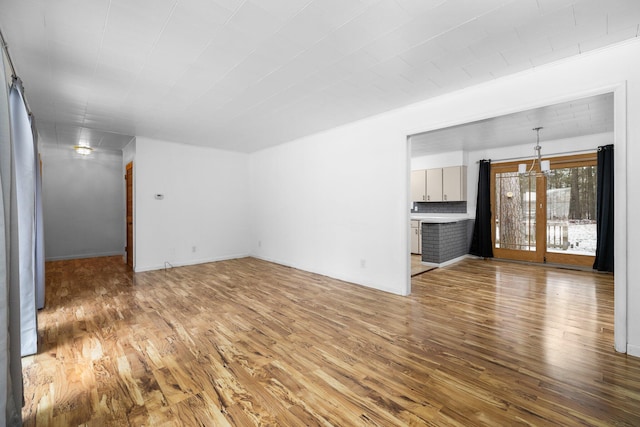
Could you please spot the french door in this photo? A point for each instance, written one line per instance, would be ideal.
(540, 217)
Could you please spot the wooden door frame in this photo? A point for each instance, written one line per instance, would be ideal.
(129, 235)
(514, 254)
(586, 159)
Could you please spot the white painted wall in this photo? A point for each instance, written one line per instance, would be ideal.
(327, 201)
(128, 153)
(440, 160)
(332, 204)
(205, 204)
(82, 203)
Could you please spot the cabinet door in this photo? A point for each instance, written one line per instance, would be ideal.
(434, 185)
(418, 185)
(454, 184)
(416, 238)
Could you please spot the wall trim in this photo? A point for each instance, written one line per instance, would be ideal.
(83, 256)
(142, 269)
(449, 262)
(342, 278)
(633, 350)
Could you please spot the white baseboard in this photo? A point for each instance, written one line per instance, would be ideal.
(343, 278)
(83, 256)
(633, 350)
(446, 263)
(140, 269)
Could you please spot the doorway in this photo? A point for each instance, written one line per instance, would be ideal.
(546, 217)
(128, 177)
(421, 143)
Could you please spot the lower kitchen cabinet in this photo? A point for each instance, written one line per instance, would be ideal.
(416, 237)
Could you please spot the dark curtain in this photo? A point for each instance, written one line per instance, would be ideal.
(481, 244)
(604, 210)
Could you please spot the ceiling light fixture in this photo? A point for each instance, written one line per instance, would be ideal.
(545, 165)
(83, 150)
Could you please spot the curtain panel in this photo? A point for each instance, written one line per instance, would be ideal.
(604, 210)
(10, 361)
(39, 224)
(24, 167)
(481, 244)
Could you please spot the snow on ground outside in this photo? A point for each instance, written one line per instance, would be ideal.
(582, 240)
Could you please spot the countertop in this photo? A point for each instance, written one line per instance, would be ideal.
(440, 218)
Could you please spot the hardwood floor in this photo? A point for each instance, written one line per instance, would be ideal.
(245, 342)
(417, 267)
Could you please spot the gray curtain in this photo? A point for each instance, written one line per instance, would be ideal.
(39, 224)
(10, 362)
(25, 178)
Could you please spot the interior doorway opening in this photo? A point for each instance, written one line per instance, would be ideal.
(467, 131)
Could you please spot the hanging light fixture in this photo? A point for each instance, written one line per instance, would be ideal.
(545, 165)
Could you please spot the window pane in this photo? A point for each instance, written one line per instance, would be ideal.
(515, 211)
(571, 211)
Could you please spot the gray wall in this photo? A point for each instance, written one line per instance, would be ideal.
(83, 203)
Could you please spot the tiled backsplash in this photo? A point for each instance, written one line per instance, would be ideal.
(439, 207)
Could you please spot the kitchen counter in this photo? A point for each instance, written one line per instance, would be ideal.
(440, 218)
(445, 237)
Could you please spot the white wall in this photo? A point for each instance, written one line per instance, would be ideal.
(82, 203)
(440, 160)
(324, 205)
(327, 201)
(128, 153)
(205, 204)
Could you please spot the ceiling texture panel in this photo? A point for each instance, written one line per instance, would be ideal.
(247, 74)
(586, 116)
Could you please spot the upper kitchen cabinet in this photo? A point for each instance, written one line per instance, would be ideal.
(454, 184)
(434, 185)
(419, 185)
(439, 184)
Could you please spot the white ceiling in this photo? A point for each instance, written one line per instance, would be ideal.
(586, 116)
(248, 74)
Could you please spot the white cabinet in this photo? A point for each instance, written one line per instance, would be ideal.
(416, 237)
(418, 185)
(454, 184)
(439, 184)
(434, 185)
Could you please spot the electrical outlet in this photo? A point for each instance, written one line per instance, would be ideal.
(259, 243)
(363, 263)
(193, 248)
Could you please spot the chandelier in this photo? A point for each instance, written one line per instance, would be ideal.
(545, 165)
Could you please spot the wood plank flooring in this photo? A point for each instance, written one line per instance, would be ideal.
(246, 342)
(417, 267)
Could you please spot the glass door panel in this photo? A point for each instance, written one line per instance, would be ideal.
(515, 212)
(571, 213)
